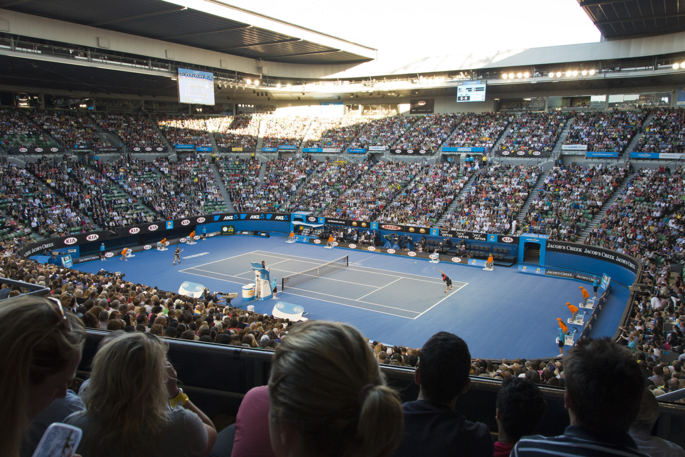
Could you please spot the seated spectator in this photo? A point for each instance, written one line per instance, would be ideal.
(520, 406)
(600, 409)
(433, 427)
(328, 396)
(41, 348)
(128, 400)
(641, 430)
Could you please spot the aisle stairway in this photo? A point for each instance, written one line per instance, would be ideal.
(556, 152)
(532, 196)
(599, 216)
(455, 202)
(218, 180)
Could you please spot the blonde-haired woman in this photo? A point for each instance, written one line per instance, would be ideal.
(40, 349)
(328, 396)
(134, 407)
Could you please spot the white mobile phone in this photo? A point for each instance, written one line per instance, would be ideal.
(59, 440)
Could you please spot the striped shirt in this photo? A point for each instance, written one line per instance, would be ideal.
(576, 441)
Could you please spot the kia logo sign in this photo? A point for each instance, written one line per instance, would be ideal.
(23, 150)
(536, 153)
(505, 153)
(391, 227)
(185, 222)
(39, 149)
(391, 251)
(520, 153)
(92, 237)
(183, 240)
(109, 254)
(311, 219)
(153, 227)
(200, 220)
(148, 148)
(411, 254)
(507, 239)
(317, 241)
(353, 246)
(53, 149)
(137, 148)
(147, 247)
(456, 259)
(69, 241)
(371, 248)
(134, 230)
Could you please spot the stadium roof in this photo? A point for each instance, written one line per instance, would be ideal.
(210, 25)
(630, 18)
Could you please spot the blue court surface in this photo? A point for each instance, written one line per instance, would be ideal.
(395, 300)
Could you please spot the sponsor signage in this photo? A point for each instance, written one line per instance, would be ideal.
(335, 150)
(418, 151)
(236, 149)
(462, 149)
(574, 147)
(356, 151)
(184, 146)
(107, 149)
(657, 155)
(378, 148)
(287, 147)
(204, 149)
(92, 237)
(269, 149)
(602, 154)
(594, 252)
(312, 149)
(569, 275)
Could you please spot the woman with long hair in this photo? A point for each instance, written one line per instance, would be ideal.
(328, 396)
(40, 349)
(134, 406)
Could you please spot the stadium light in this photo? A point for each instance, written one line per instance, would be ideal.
(676, 66)
(558, 74)
(568, 73)
(584, 72)
(505, 76)
(526, 74)
(592, 72)
(575, 73)
(257, 82)
(519, 75)
(248, 81)
(512, 75)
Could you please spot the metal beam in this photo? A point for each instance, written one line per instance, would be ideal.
(638, 18)
(139, 16)
(263, 43)
(204, 32)
(330, 51)
(585, 3)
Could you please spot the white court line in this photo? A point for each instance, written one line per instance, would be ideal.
(351, 299)
(382, 287)
(350, 305)
(217, 261)
(378, 271)
(464, 284)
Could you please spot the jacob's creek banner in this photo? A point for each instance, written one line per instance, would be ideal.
(594, 252)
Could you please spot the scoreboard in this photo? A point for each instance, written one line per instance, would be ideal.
(471, 91)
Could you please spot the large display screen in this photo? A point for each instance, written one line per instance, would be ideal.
(196, 87)
(471, 91)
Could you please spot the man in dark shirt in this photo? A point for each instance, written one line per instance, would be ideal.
(432, 425)
(603, 393)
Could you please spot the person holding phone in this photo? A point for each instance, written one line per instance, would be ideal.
(41, 347)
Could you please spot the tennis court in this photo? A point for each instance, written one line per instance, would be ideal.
(398, 294)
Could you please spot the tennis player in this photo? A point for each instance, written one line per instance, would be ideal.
(447, 280)
(177, 255)
(124, 254)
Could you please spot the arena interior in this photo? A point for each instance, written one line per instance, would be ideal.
(154, 152)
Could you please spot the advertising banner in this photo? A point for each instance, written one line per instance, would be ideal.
(204, 149)
(574, 147)
(356, 151)
(378, 148)
(269, 149)
(287, 147)
(333, 150)
(411, 151)
(602, 154)
(594, 252)
(312, 149)
(184, 146)
(462, 149)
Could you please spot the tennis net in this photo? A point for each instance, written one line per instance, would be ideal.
(302, 276)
